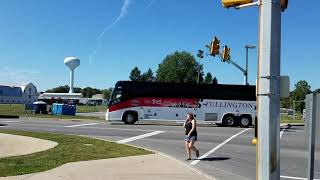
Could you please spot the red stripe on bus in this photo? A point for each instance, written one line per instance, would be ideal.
(156, 102)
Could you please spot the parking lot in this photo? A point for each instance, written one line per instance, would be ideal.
(225, 153)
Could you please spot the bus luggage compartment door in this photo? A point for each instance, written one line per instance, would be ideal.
(211, 117)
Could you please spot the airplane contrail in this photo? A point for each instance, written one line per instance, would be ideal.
(123, 13)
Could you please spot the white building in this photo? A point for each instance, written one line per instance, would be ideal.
(18, 94)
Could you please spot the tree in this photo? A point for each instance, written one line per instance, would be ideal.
(88, 92)
(317, 90)
(148, 76)
(179, 67)
(302, 88)
(208, 79)
(215, 80)
(135, 74)
(106, 93)
(60, 89)
(77, 90)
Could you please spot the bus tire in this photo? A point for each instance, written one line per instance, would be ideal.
(229, 120)
(245, 121)
(130, 117)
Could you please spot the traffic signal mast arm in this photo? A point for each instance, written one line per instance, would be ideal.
(237, 66)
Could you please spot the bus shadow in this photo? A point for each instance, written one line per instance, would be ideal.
(215, 159)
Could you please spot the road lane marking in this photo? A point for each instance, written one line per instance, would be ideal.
(297, 178)
(217, 147)
(80, 125)
(9, 121)
(123, 141)
(282, 131)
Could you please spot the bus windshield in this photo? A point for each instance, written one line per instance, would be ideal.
(116, 96)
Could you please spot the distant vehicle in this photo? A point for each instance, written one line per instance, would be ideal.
(91, 103)
(304, 114)
(228, 105)
(39, 107)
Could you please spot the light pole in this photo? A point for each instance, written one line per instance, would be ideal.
(246, 73)
(200, 56)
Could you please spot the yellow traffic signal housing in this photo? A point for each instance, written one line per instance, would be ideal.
(214, 47)
(283, 4)
(225, 54)
(233, 3)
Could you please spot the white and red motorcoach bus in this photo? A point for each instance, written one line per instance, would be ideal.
(228, 105)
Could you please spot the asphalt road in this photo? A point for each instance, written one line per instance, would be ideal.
(232, 155)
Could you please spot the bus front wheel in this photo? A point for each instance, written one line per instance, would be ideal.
(229, 120)
(130, 117)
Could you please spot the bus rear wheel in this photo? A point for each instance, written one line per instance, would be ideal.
(229, 121)
(245, 121)
(130, 117)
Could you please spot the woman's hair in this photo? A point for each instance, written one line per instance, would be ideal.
(191, 117)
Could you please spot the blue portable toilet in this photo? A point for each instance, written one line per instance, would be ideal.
(68, 109)
(56, 109)
(63, 109)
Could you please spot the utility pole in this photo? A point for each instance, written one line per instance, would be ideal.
(268, 99)
(268, 84)
(246, 72)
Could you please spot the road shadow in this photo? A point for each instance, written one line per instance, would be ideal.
(3, 125)
(215, 159)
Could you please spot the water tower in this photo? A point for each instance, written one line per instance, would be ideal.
(72, 63)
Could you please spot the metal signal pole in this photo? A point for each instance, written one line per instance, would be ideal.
(268, 96)
(246, 73)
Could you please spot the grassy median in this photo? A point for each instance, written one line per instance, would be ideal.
(18, 110)
(69, 149)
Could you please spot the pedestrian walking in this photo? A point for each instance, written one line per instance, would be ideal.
(191, 134)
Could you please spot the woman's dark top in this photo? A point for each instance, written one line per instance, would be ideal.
(188, 127)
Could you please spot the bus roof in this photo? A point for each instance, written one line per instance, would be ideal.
(188, 90)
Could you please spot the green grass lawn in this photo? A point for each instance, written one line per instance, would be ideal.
(18, 110)
(69, 149)
(84, 109)
(11, 109)
(287, 119)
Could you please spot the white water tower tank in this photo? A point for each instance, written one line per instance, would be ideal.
(72, 63)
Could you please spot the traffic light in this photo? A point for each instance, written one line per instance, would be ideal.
(283, 4)
(233, 3)
(200, 54)
(214, 46)
(225, 53)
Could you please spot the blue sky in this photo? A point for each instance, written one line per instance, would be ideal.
(36, 35)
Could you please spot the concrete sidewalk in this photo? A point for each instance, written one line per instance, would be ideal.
(13, 145)
(154, 166)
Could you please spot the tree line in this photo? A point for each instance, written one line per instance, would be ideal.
(297, 96)
(87, 92)
(178, 67)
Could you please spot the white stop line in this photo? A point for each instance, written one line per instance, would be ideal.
(123, 141)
